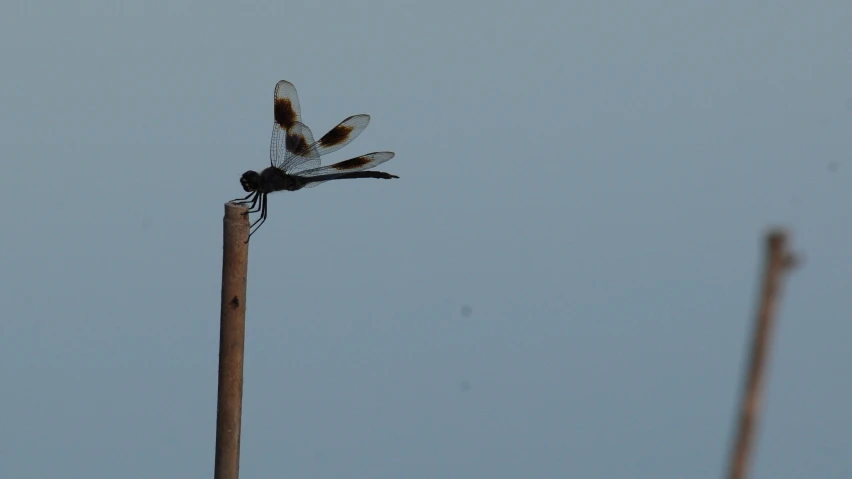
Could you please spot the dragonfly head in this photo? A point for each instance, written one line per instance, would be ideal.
(250, 181)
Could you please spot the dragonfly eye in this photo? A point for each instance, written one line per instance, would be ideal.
(250, 180)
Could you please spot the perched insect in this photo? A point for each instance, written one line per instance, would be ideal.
(295, 156)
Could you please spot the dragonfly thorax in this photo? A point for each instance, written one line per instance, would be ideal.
(274, 179)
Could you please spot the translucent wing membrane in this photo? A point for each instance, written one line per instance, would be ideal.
(296, 149)
(292, 156)
(287, 110)
(359, 163)
(350, 168)
(342, 134)
(287, 113)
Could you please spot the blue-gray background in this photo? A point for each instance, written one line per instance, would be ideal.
(592, 180)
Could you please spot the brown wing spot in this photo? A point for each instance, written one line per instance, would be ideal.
(336, 136)
(351, 164)
(296, 144)
(285, 115)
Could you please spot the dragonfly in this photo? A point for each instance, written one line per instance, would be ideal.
(296, 158)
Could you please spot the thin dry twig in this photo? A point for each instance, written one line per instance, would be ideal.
(778, 260)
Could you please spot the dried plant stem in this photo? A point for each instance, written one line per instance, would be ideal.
(232, 332)
(777, 262)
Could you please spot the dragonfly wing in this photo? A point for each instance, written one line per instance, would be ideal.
(287, 113)
(336, 138)
(342, 134)
(295, 150)
(359, 163)
(287, 110)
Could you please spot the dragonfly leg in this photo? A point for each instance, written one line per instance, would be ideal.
(260, 220)
(253, 203)
(243, 200)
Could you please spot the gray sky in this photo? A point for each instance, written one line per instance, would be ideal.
(591, 179)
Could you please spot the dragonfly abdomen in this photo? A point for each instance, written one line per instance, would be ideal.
(354, 174)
